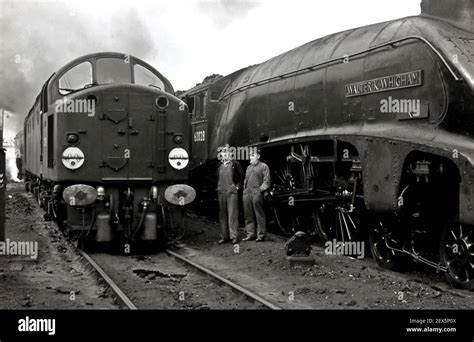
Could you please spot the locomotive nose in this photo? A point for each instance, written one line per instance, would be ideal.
(128, 122)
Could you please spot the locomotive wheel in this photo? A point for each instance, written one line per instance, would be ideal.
(319, 229)
(380, 233)
(286, 223)
(87, 244)
(339, 222)
(457, 254)
(38, 199)
(173, 223)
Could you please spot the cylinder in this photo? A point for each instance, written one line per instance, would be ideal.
(104, 229)
(149, 227)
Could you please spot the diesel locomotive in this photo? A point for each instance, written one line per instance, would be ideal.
(104, 150)
(368, 133)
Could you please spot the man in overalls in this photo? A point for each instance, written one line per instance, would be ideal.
(257, 181)
(230, 176)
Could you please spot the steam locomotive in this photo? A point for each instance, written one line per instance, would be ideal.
(366, 131)
(104, 150)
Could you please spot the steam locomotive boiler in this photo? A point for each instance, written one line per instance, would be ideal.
(366, 130)
(105, 150)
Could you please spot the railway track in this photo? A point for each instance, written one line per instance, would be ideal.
(233, 285)
(119, 295)
(125, 302)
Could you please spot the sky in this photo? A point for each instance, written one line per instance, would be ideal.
(186, 40)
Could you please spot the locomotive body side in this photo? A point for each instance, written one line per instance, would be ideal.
(322, 102)
(373, 120)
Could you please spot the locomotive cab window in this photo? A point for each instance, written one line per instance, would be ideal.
(190, 103)
(197, 107)
(76, 78)
(113, 70)
(145, 77)
(204, 105)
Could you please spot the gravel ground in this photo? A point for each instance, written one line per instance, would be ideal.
(334, 282)
(57, 279)
(158, 281)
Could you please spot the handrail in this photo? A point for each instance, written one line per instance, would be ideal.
(341, 59)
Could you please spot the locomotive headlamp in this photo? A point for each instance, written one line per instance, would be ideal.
(178, 158)
(72, 138)
(72, 158)
(178, 139)
(100, 193)
(57, 190)
(154, 193)
(162, 102)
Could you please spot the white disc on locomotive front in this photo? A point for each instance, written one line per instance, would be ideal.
(178, 158)
(73, 158)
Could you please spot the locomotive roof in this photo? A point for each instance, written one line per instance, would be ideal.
(95, 56)
(440, 35)
(116, 55)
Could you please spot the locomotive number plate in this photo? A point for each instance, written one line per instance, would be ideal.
(199, 136)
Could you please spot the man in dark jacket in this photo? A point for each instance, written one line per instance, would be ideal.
(257, 181)
(230, 175)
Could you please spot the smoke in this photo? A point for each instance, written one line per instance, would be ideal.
(37, 38)
(10, 163)
(185, 40)
(11, 125)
